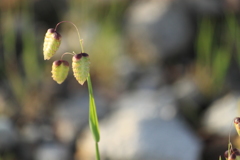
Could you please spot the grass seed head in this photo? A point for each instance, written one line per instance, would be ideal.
(237, 124)
(51, 43)
(60, 70)
(234, 154)
(81, 67)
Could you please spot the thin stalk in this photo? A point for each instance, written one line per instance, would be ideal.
(67, 53)
(97, 151)
(80, 40)
(93, 118)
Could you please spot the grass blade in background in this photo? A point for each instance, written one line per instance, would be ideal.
(214, 48)
(205, 41)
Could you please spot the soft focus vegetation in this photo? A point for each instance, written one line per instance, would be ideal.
(217, 44)
(28, 95)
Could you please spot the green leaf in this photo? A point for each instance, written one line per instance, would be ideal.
(93, 119)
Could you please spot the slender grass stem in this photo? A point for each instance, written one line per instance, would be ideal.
(67, 53)
(93, 118)
(97, 151)
(80, 40)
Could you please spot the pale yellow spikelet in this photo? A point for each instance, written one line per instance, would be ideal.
(60, 70)
(81, 67)
(51, 43)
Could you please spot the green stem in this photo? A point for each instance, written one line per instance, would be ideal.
(67, 53)
(93, 119)
(97, 151)
(80, 40)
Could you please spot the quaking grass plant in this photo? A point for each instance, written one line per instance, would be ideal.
(81, 71)
(233, 153)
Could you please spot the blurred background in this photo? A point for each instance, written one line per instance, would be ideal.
(165, 77)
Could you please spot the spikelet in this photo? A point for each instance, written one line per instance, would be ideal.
(51, 43)
(60, 70)
(232, 154)
(237, 124)
(80, 65)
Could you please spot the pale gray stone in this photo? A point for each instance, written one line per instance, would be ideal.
(145, 125)
(160, 29)
(52, 151)
(72, 115)
(218, 118)
(8, 135)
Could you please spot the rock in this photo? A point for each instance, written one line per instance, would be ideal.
(148, 78)
(8, 135)
(190, 98)
(144, 125)
(186, 88)
(158, 29)
(33, 133)
(52, 151)
(72, 115)
(205, 7)
(219, 116)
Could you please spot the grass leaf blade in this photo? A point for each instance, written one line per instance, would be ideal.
(93, 119)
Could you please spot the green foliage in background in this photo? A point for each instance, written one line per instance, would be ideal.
(217, 42)
(21, 67)
(101, 27)
(24, 72)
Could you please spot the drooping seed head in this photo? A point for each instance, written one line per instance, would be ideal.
(232, 156)
(51, 43)
(226, 154)
(236, 151)
(81, 67)
(237, 124)
(60, 70)
(237, 120)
